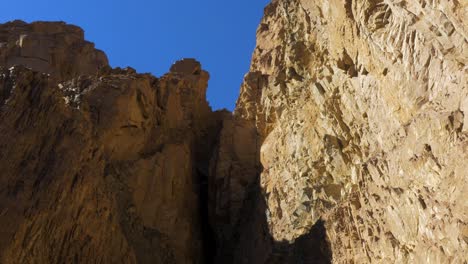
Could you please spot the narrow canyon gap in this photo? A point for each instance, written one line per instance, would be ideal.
(348, 144)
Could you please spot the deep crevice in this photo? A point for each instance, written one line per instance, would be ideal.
(244, 246)
(207, 232)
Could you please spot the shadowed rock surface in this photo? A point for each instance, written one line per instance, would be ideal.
(99, 168)
(348, 144)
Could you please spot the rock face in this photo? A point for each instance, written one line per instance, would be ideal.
(348, 144)
(353, 121)
(98, 165)
(53, 48)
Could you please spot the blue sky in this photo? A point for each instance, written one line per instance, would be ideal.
(149, 35)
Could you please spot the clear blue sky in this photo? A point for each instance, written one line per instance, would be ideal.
(149, 35)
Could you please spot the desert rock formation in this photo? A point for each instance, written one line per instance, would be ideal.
(356, 116)
(348, 144)
(53, 48)
(98, 165)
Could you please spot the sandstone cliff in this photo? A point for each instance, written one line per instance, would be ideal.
(348, 144)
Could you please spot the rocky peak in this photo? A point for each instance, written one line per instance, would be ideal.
(55, 48)
(186, 66)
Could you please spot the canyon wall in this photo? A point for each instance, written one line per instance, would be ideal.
(348, 144)
(98, 165)
(350, 136)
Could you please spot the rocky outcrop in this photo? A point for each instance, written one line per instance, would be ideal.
(348, 144)
(98, 165)
(353, 122)
(57, 49)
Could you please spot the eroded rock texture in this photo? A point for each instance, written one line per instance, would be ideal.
(57, 49)
(98, 165)
(352, 121)
(348, 144)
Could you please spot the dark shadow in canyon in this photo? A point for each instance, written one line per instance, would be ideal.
(208, 234)
(253, 243)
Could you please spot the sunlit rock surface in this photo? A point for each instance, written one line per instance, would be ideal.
(348, 144)
(358, 113)
(57, 49)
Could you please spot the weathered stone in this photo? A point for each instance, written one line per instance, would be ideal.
(99, 165)
(348, 144)
(54, 48)
(360, 104)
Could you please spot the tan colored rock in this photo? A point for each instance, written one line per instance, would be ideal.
(360, 114)
(348, 144)
(54, 48)
(101, 165)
